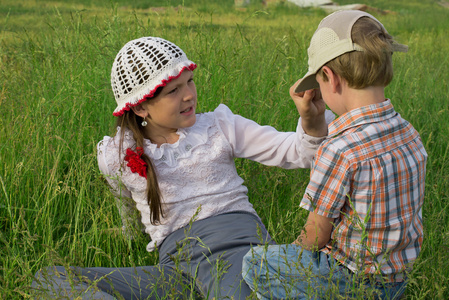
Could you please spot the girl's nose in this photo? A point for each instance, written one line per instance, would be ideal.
(190, 93)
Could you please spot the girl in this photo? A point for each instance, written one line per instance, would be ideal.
(176, 168)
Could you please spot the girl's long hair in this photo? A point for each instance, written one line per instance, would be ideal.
(130, 121)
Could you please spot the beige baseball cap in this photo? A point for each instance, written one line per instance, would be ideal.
(332, 39)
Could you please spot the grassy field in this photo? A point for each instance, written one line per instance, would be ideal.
(56, 104)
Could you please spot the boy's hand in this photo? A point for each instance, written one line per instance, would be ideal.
(316, 233)
(311, 108)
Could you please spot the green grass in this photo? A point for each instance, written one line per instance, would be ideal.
(56, 104)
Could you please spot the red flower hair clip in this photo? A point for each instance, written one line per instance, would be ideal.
(137, 164)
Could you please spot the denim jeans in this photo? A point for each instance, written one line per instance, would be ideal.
(290, 272)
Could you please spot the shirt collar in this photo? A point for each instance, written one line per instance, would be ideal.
(362, 115)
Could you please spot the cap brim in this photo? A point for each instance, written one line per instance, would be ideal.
(307, 83)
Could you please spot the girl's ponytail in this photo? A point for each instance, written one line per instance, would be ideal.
(129, 121)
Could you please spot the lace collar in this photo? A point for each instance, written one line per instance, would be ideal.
(169, 154)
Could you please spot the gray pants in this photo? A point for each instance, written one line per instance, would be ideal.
(203, 260)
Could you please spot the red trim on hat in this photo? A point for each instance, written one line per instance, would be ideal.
(151, 93)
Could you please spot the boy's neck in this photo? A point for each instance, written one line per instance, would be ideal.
(356, 98)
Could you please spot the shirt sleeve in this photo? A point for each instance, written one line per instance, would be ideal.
(329, 185)
(129, 214)
(265, 144)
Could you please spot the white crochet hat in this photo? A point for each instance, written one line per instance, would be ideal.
(143, 65)
(332, 39)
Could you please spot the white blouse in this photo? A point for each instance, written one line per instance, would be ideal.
(197, 175)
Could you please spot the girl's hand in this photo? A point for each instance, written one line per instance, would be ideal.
(311, 108)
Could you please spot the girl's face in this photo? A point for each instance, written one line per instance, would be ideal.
(173, 108)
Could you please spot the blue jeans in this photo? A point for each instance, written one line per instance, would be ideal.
(290, 272)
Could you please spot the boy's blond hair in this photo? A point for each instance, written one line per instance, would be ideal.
(371, 67)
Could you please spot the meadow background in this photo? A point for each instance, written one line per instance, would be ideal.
(56, 104)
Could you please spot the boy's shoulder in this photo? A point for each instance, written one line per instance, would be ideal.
(366, 139)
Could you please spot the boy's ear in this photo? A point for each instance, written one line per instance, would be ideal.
(140, 110)
(333, 78)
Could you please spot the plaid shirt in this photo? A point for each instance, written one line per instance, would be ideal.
(369, 176)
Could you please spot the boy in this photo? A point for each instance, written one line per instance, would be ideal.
(366, 189)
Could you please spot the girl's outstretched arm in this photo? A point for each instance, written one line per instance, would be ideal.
(265, 144)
